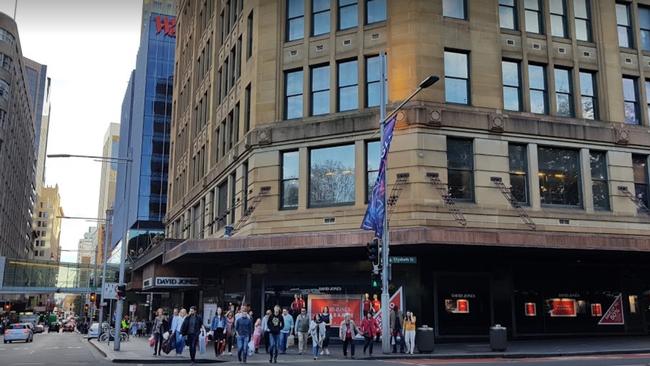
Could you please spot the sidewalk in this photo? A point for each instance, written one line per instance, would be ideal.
(138, 350)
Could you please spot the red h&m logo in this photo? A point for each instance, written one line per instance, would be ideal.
(166, 24)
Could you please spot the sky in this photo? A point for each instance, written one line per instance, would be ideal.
(89, 47)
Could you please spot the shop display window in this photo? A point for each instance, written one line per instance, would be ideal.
(634, 303)
(596, 309)
(530, 309)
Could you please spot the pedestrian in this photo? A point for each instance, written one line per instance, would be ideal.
(275, 325)
(367, 304)
(265, 330)
(326, 318)
(302, 329)
(160, 326)
(230, 331)
(286, 331)
(125, 325)
(409, 332)
(396, 328)
(257, 334)
(191, 328)
(317, 333)
(295, 305)
(218, 328)
(244, 330)
(243, 310)
(347, 331)
(369, 328)
(176, 329)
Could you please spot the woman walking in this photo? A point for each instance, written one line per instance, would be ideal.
(257, 334)
(159, 327)
(409, 332)
(230, 331)
(326, 319)
(218, 328)
(317, 333)
(369, 328)
(180, 339)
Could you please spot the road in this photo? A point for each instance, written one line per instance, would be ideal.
(51, 349)
(619, 360)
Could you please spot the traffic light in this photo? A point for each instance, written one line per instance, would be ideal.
(85, 308)
(373, 251)
(121, 291)
(93, 297)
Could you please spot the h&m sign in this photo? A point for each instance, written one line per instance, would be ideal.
(176, 282)
(166, 24)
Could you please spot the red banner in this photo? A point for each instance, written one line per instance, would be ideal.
(338, 305)
(614, 315)
(395, 299)
(563, 307)
(596, 309)
(530, 308)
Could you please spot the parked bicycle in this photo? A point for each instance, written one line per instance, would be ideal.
(108, 334)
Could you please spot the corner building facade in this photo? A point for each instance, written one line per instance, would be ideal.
(274, 132)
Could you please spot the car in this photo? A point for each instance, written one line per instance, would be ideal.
(93, 331)
(19, 332)
(54, 327)
(39, 328)
(69, 326)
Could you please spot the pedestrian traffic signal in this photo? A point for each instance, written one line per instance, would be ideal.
(375, 280)
(121, 291)
(373, 251)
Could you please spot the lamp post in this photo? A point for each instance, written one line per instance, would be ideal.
(123, 249)
(385, 242)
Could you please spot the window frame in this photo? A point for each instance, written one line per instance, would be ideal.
(368, 2)
(637, 109)
(525, 174)
(367, 168)
(471, 170)
(249, 39)
(340, 87)
(287, 96)
(539, 12)
(568, 94)
(595, 180)
(580, 204)
(518, 87)
(465, 11)
(289, 19)
(339, 7)
(373, 82)
(628, 28)
(593, 97)
(587, 21)
(313, 17)
(563, 18)
(310, 204)
(512, 9)
(467, 81)
(313, 92)
(646, 183)
(543, 91)
(283, 179)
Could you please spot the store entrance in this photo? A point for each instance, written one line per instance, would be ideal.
(463, 304)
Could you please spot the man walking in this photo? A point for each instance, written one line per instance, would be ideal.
(244, 329)
(265, 329)
(191, 328)
(396, 328)
(302, 330)
(274, 325)
(286, 330)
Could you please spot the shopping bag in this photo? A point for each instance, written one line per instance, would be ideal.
(202, 340)
(169, 344)
(290, 341)
(221, 346)
(165, 335)
(152, 341)
(251, 348)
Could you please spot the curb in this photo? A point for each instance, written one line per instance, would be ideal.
(507, 355)
(156, 361)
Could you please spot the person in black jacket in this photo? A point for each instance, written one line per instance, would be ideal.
(274, 325)
(192, 328)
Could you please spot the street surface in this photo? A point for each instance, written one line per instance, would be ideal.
(51, 349)
(618, 360)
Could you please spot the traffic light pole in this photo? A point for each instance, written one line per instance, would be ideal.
(385, 297)
(119, 304)
(107, 240)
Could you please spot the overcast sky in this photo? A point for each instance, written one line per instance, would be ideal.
(89, 47)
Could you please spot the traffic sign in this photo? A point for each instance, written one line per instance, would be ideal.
(109, 291)
(402, 260)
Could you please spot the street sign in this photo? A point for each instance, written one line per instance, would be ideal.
(109, 291)
(402, 260)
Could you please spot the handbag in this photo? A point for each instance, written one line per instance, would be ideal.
(152, 341)
(251, 348)
(290, 340)
(165, 335)
(202, 341)
(169, 343)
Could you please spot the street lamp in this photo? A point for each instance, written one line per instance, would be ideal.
(119, 306)
(385, 242)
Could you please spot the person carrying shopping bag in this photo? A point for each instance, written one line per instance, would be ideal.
(369, 329)
(317, 333)
(347, 331)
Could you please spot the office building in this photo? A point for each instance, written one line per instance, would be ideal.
(38, 85)
(107, 186)
(47, 224)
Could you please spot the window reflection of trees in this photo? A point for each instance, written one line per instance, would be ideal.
(332, 182)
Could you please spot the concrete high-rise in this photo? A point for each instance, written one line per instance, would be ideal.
(38, 85)
(107, 185)
(17, 152)
(141, 192)
(47, 224)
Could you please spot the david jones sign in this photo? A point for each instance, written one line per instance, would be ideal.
(176, 281)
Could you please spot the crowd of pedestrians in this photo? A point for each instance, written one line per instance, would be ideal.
(277, 330)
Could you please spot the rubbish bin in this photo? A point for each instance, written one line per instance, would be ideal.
(498, 338)
(424, 339)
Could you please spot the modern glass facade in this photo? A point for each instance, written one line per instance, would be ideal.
(141, 197)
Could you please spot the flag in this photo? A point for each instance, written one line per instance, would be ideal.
(614, 315)
(374, 218)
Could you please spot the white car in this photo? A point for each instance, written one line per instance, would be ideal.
(19, 332)
(93, 331)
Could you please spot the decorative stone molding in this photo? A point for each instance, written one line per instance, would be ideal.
(264, 136)
(621, 134)
(496, 122)
(435, 117)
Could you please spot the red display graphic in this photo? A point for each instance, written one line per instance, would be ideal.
(562, 307)
(462, 306)
(530, 309)
(338, 305)
(596, 309)
(614, 315)
(166, 24)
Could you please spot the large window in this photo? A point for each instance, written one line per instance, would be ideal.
(372, 166)
(4, 89)
(289, 184)
(641, 185)
(508, 14)
(373, 81)
(320, 90)
(624, 25)
(295, 19)
(348, 85)
(375, 11)
(533, 15)
(511, 85)
(582, 14)
(558, 18)
(6, 62)
(588, 97)
(249, 39)
(456, 77)
(563, 92)
(644, 24)
(537, 85)
(518, 160)
(320, 17)
(460, 169)
(331, 176)
(348, 14)
(293, 94)
(559, 176)
(454, 9)
(599, 185)
(5, 36)
(631, 100)
(222, 204)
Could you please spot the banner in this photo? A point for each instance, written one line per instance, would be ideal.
(563, 308)
(374, 218)
(338, 306)
(614, 315)
(396, 299)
